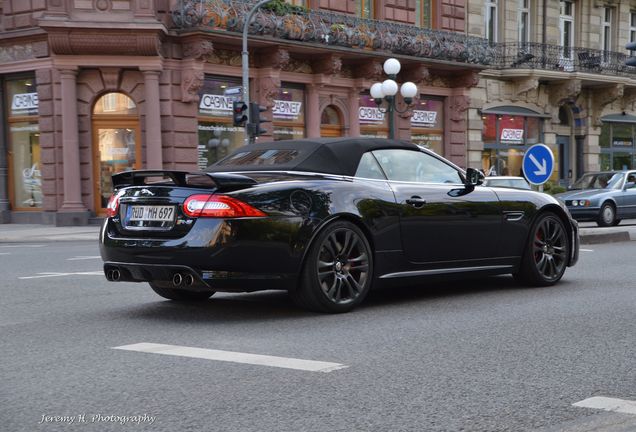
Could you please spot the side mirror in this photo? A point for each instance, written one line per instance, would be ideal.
(473, 177)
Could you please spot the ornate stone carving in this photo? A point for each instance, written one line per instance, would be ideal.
(191, 83)
(197, 49)
(525, 85)
(458, 107)
(419, 74)
(603, 97)
(268, 89)
(563, 92)
(16, 52)
(299, 66)
(329, 64)
(467, 79)
(225, 57)
(274, 57)
(371, 70)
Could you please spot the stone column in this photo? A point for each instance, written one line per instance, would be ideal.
(354, 116)
(313, 112)
(5, 214)
(72, 211)
(154, 151)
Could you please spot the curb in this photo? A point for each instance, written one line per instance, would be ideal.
(621, 236)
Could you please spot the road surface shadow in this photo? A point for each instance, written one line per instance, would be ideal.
(276, 305)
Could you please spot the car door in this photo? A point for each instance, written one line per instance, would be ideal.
(627, 197)
(441, 220)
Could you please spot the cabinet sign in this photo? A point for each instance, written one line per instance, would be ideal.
(286, 110)
(424, 118)
(24, 103)
(512, 135)
(370, 115)
(217, 105)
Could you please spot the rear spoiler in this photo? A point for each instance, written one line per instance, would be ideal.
(224, 182)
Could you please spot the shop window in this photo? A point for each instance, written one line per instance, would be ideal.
(427, 124)
(217, 137)
(506, 139)
(617, 146)
(116, 142)
(25, 179)
(330, 122)
(373, 121)
(288, 112)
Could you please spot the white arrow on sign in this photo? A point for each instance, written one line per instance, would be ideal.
(543, 168)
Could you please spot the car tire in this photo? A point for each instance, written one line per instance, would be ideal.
(338, 270)
(179, 294)
(546, 254)
(607, 215)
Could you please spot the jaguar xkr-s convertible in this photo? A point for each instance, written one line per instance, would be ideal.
(326, 220)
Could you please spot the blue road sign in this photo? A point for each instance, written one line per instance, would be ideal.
(538, 163)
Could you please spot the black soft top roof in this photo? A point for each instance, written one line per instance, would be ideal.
(324, 155)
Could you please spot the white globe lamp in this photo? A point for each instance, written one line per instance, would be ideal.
(408, 91)
(392, 67)
(389, 87)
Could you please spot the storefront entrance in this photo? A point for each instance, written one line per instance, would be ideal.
(330, 122)
(116, 143)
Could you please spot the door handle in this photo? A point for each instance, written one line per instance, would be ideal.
(416, 201)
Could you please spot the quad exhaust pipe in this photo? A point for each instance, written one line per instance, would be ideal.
(177, 279)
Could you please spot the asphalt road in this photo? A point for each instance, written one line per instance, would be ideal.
(481, 355)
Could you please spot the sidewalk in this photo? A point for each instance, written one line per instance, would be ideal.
(21, 233)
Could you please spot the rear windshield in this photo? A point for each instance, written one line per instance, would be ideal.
(260, 158)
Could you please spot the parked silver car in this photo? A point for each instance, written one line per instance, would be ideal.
(604, 197)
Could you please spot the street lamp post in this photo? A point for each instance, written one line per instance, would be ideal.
(387, 91)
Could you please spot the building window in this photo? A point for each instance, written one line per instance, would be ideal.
(424, 11)
(566, 29)
(25, 179)
(365, 8)
(217, 136)
(606, 34)
(524, 22)
(331, 122)
(617, 146)
(427, 124)
(288, 112)
(632, 30)
(373, 122)
(506, 139)
(491, 20)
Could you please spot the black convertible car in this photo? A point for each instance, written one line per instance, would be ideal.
(327, 219)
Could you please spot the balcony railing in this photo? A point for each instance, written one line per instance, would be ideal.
(332, 29)
(558, 58)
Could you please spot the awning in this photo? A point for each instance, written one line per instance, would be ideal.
(619, 118)
(514, 110)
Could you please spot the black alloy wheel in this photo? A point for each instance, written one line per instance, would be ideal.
(338, 270)
(179, 294)
(547, 252)
(607, 215)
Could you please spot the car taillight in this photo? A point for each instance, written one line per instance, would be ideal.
(112, 209)
(218, 206)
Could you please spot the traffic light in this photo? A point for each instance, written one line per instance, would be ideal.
(631, 60)
(254, 127)
(239, 116)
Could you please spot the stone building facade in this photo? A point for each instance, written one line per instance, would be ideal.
(92, 87)
(560, 79)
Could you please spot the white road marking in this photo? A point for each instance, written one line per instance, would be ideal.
(586, 250)
(53, 274)
(608, 404)
(22, 246)
(79, 258)
(5, 253)
(235, 357)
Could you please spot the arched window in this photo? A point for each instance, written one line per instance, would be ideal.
(116, 142)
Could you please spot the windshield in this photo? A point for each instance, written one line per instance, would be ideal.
(599, 181)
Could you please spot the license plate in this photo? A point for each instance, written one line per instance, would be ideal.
(151, 213)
